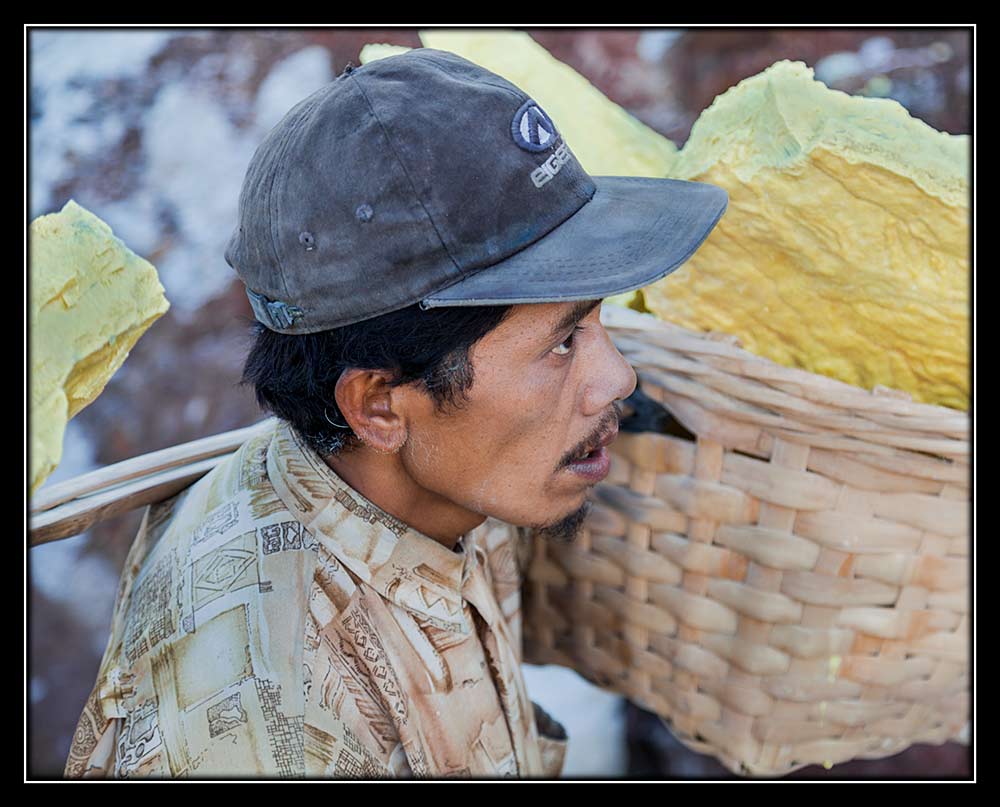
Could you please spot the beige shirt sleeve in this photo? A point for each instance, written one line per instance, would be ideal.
(92, 752)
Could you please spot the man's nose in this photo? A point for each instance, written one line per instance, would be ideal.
(615, 379)
(633, 378)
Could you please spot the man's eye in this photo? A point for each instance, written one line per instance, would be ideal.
(567, 341)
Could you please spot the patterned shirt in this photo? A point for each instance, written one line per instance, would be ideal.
(271, 621)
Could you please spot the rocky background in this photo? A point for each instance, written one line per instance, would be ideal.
(152, 129)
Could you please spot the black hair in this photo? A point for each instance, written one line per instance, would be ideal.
(294, 376)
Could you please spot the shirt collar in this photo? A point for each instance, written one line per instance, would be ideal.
(404, 565)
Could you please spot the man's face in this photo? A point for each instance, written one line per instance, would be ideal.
(542, 392)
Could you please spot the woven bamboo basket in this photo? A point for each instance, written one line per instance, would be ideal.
(782, 575)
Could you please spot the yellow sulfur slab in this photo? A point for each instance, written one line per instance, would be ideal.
(845, 247)
(91, 300)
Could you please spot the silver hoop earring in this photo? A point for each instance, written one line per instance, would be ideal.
(331, 422)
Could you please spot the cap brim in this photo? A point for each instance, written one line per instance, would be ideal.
(632, 232)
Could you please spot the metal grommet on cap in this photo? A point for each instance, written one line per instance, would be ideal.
(364, 212)
(307, 240)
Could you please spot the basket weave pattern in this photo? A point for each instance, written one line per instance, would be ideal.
(790, 588)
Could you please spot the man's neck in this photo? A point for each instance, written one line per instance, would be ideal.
(385, 482)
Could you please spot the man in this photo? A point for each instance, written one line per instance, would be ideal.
(426, 261)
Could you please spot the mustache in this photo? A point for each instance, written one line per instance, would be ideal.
(609, 422)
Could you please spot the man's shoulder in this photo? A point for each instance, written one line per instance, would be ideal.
(192, 658)
(235, 496)
(203, 549)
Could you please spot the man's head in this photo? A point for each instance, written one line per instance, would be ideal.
(422, 226)
(455, 414)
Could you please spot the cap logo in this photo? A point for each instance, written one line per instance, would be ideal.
(532, 129)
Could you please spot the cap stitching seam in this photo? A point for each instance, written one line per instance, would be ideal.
(270, 229)
(406, 173)
(271, 202)
(521, 98)
(271, 214)
(631, 252)
(580, 186)
(432, 61)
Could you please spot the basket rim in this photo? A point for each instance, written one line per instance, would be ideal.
(816, 387)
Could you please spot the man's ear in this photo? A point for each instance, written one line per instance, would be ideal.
(368, 406)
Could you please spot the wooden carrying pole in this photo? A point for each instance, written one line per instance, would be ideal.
(73, 506)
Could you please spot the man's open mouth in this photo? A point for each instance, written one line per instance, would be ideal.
(592, 451)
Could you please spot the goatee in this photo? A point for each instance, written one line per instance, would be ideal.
(566, 530)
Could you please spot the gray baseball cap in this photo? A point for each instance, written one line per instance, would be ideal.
(423, 177)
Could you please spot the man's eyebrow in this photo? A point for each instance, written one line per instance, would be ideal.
(573, 316)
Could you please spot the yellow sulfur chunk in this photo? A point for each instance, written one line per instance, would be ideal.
(91, 300)
(371, 52)
(845, 247)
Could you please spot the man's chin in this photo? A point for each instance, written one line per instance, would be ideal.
(567, 529)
